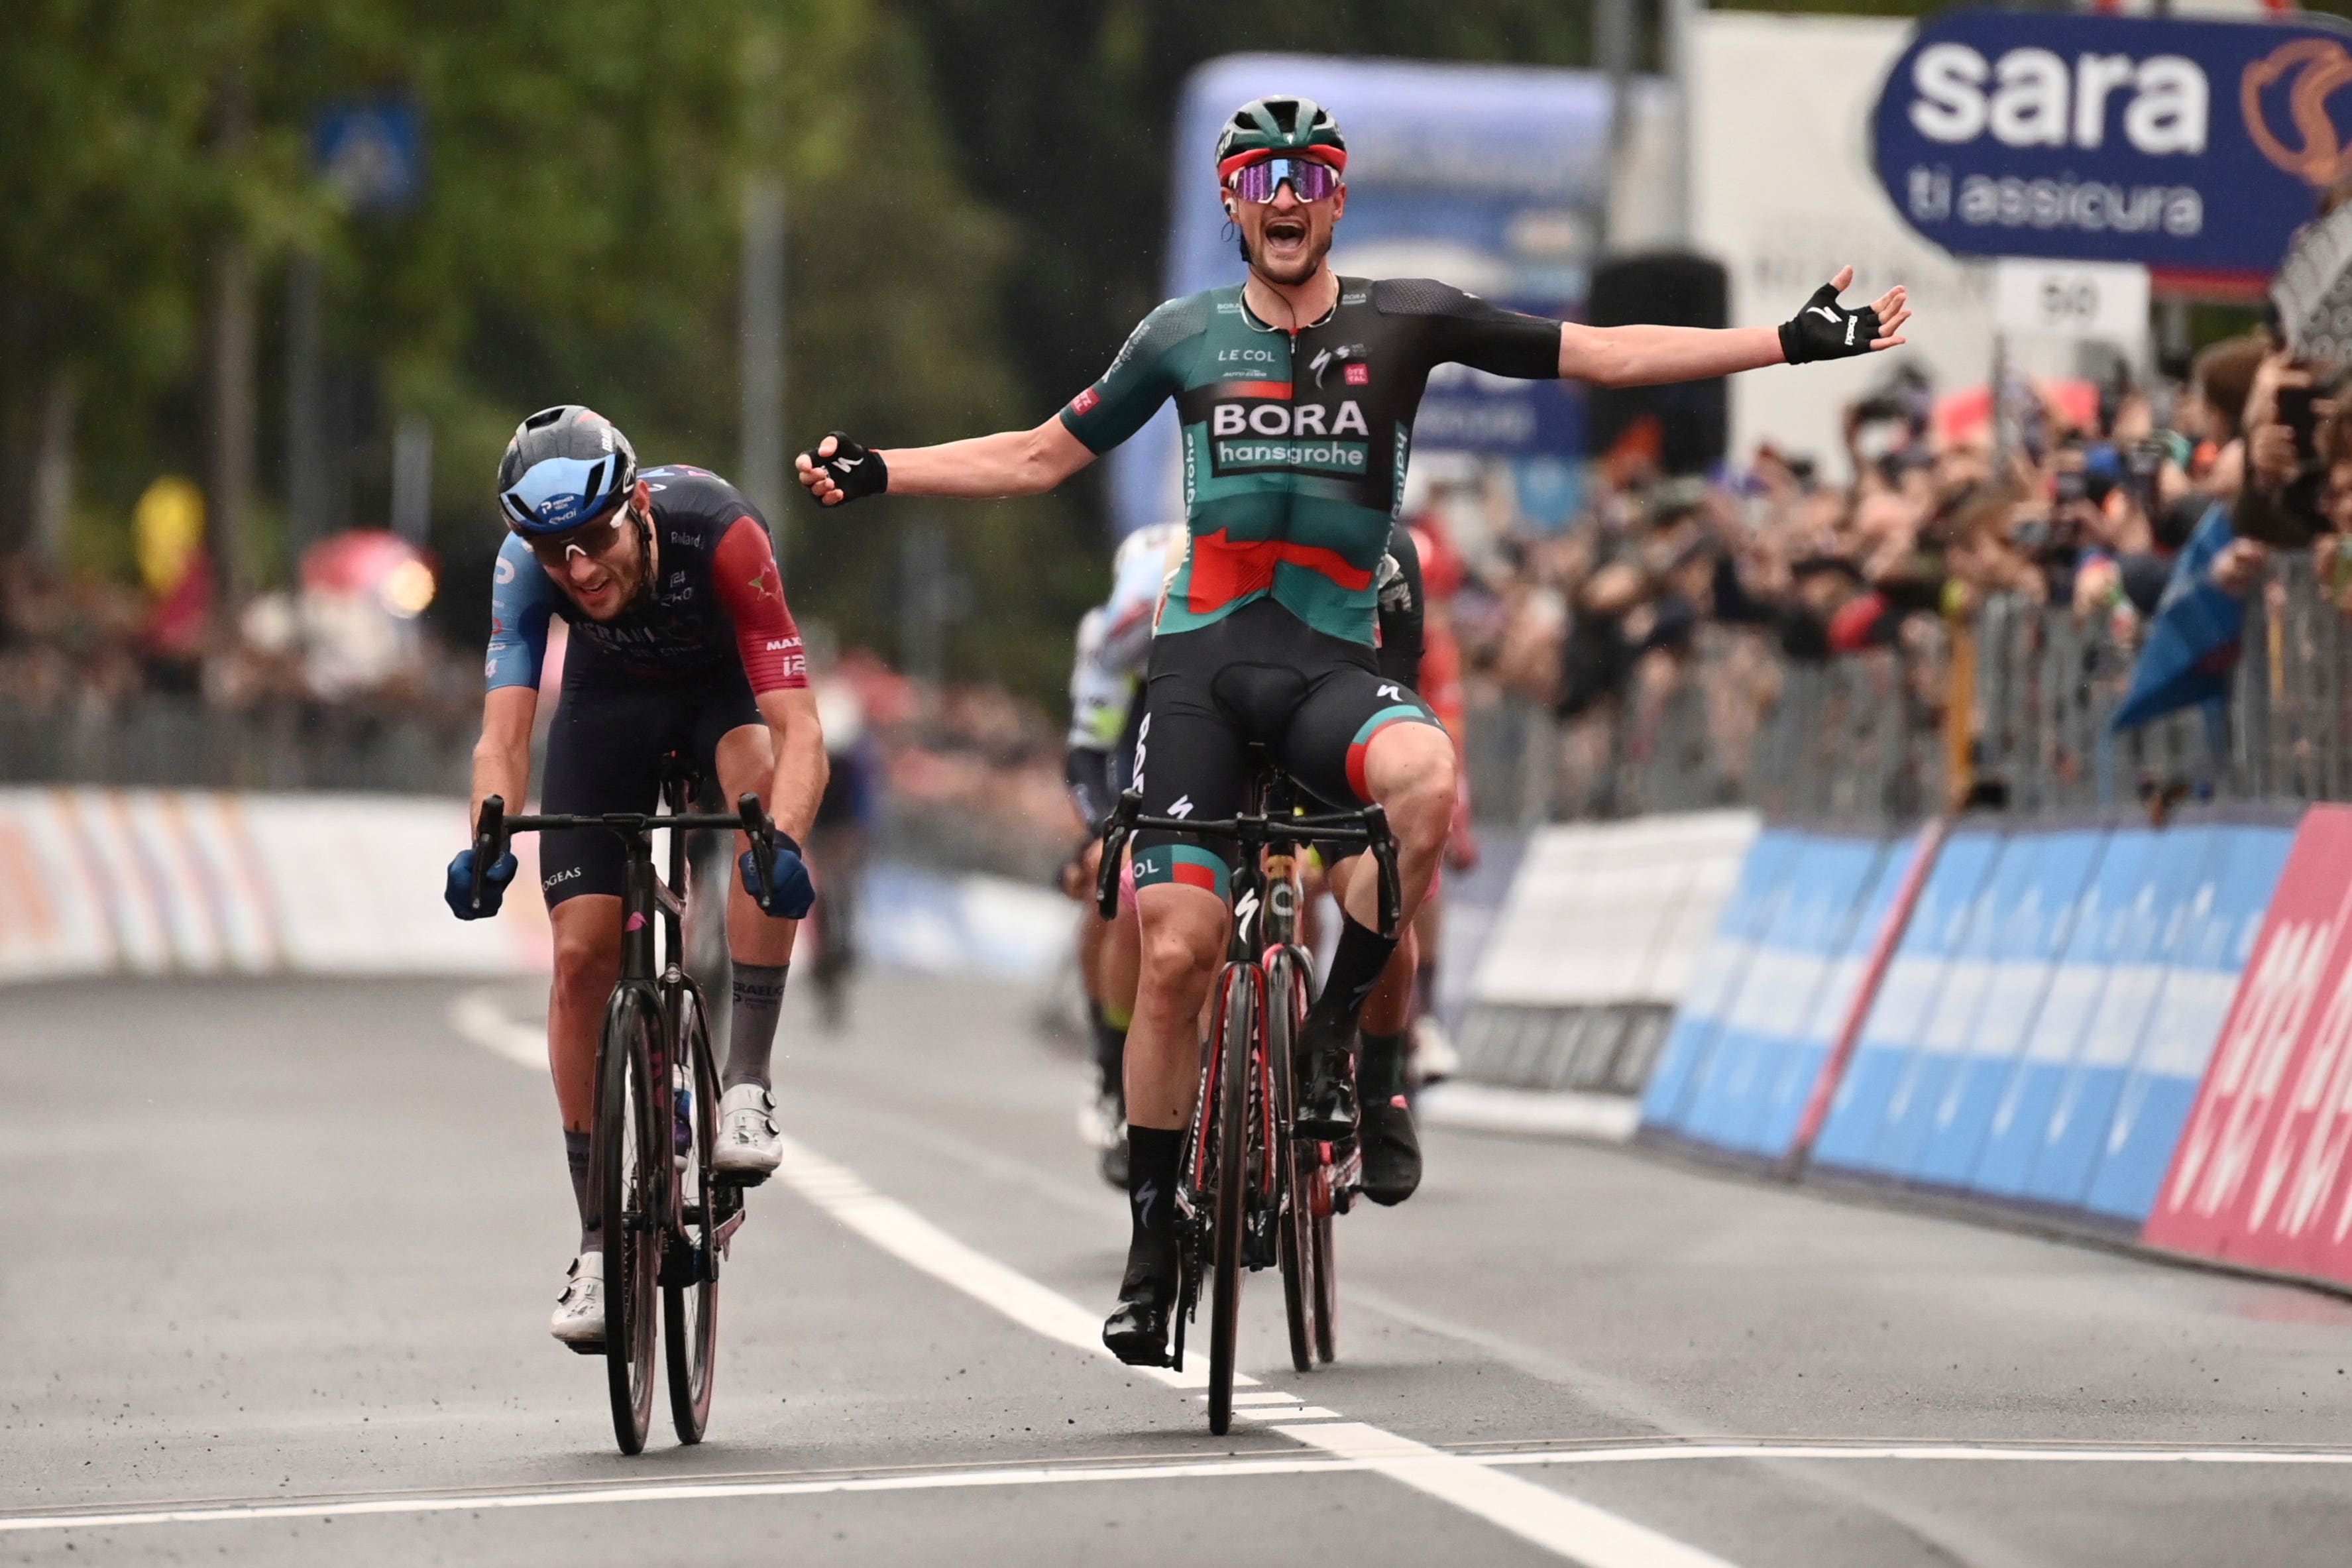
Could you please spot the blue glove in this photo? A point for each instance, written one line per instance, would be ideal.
(793, 893)
(460, 890)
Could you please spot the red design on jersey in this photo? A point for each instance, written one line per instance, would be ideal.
(744, 574)
(1277, 389)
(1224, 569)
(1360, 375)
(1086, 402)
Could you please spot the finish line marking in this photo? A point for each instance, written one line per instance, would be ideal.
(1197, 1469)
(1554, 1520)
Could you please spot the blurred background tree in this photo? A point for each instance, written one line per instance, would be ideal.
(976, 192)
(575, 237)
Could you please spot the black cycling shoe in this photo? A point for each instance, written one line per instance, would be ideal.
(1138, 1332)
(1391, 1152)
(1326, 1104)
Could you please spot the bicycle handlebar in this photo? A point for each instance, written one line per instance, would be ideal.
(1368, 827)
(494, 828)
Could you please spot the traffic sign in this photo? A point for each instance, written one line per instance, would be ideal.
(2102, 302)
(372, 153)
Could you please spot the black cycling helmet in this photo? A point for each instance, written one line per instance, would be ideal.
(566, 466)
(1271, 127)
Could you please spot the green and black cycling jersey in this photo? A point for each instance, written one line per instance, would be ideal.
(1295, 447)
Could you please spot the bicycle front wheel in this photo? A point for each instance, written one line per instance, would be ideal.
(1285, 1013)
(1236, 1044)
(629, 1193)
(690, 1269)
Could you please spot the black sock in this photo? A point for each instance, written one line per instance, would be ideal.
(1110, 1052)
(751, 1026)
(1424, 984)
(1380, 1070)
(1153, 1154)
(576, 1159)
(1356, 966)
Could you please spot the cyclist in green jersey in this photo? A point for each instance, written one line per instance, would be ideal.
(1297, 390)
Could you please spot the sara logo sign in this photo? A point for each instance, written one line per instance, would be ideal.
(2190, 144)
(2261, 1175)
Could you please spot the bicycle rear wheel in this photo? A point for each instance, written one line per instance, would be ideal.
(629, 1190)
(1237, 1031)
(690, 1269)
(1286, 1011)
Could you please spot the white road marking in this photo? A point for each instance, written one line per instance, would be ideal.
(1189, 1469)
(916, 1242)
(2028, 1454)
(477, 1016)
(1554, 1520)
(1472, 1481)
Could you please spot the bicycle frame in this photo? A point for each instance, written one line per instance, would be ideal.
(1261, 946)
(649, 902)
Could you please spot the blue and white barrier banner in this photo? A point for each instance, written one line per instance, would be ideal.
(105, 881)
(1906, 1005)
(1738, 1072)
(2039, 895)
(95, 881)
(943, 923)
(1608, 914)
(2205, 954)
(1722, 975)
(2039, 1035)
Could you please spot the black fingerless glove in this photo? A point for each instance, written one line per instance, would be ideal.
(857, 468)
(1827, 329)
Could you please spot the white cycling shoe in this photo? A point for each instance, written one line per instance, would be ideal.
(578, 1318)
(1435, 1060)
(749, 1151)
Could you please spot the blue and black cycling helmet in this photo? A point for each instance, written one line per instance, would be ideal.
(566, 466)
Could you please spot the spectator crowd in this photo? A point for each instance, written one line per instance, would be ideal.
(2072, 497)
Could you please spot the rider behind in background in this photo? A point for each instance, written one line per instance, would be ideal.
(843, 832)
(1295, 392)
(681, 640)
(1443, 573)
(1106, 711)
(1391, 1149)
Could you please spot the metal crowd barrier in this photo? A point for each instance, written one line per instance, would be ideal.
(176, 742)
(2291, 726)
(2010, 710)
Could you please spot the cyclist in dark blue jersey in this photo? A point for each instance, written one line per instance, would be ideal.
(681, 640)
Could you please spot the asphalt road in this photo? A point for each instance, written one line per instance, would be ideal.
(278, 1256)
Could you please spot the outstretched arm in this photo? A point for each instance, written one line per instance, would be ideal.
(1011, 463)
(1648, 355)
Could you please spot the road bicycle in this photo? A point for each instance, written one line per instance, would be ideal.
(668, 1218)
(1250, 1193)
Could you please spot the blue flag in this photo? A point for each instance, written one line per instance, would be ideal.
(2193, 637)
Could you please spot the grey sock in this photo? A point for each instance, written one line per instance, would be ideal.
(575, 1157)
(751, 1029)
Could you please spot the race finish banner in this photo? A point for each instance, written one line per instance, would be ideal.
(2194, 147)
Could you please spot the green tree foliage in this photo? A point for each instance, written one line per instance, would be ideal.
(577, 239)
(1065, 110)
